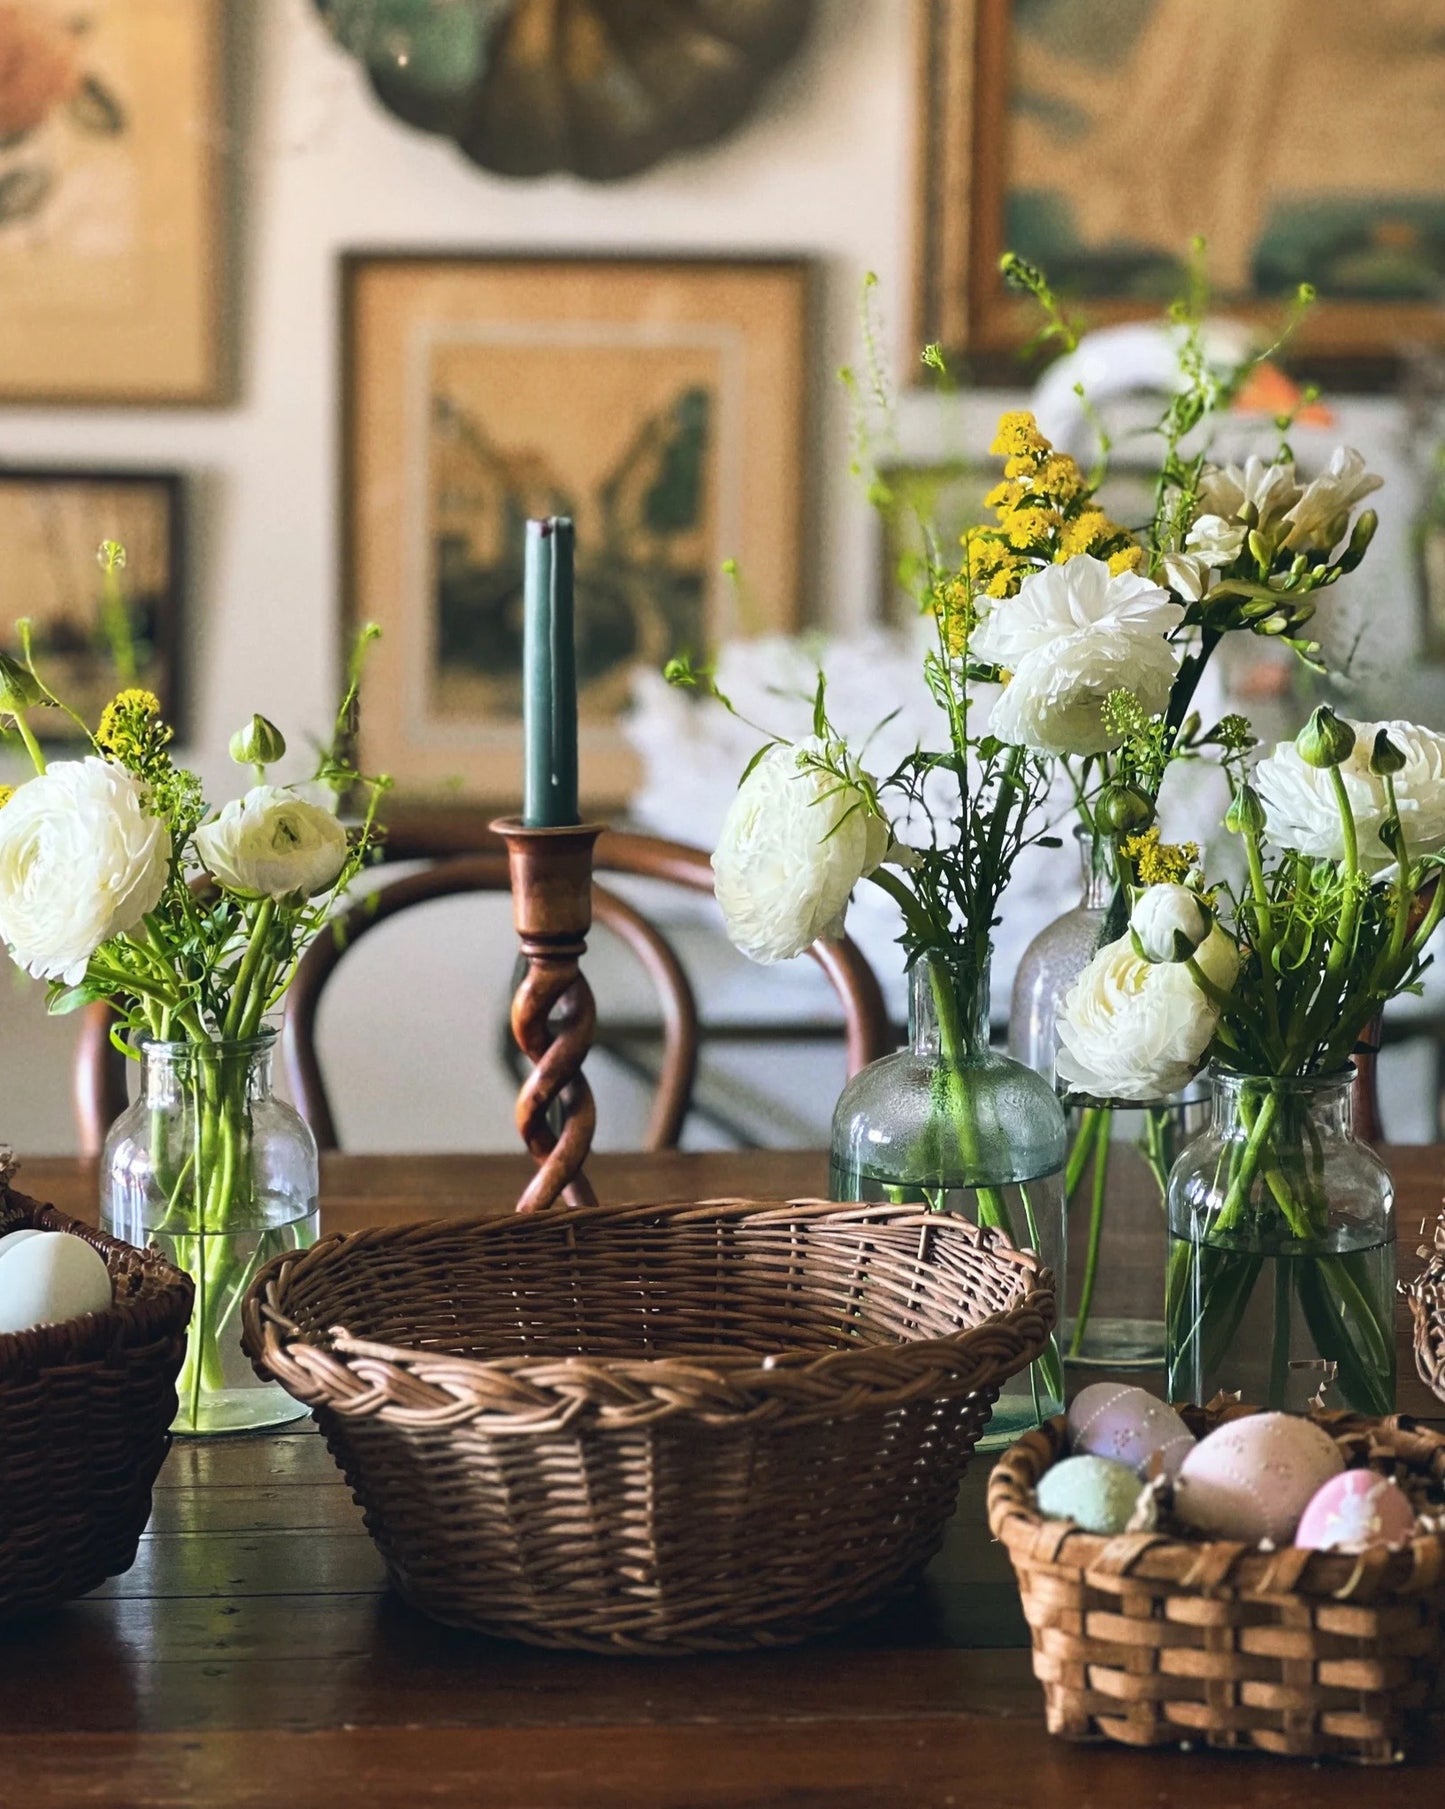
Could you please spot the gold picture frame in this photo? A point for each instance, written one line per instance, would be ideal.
(1120, 158)
(660, 402)
(110, 283)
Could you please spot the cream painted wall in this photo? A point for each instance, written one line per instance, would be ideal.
(822, 170)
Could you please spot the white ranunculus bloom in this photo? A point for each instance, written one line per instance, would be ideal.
(1136, 1030)
(793, 846)
(1188, 576)
(1302, 812)
(1170, 922)
(1270, 489)
(1073, 634)
(81, 860)
(1320, 518)
(272, 844)
(1216, 541)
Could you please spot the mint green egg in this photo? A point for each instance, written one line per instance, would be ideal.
(1098, 1493)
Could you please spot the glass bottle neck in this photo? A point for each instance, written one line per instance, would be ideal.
(1096, 868)
(1323, 1102)
(948, 1011)
(172, 1073)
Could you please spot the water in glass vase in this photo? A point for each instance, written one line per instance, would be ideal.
(951, 1124)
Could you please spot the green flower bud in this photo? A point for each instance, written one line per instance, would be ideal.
(260, 743)
(1261, 550)
(1360, 538)
(1385, 757)
(1245, 815)
(18, 687)
(1123, 810)
(1325, 740)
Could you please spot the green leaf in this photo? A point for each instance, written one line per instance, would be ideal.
(72, 998)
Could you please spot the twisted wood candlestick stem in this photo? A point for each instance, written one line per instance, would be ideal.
(553, 1014)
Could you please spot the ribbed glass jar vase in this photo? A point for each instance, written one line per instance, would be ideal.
(954, 1124)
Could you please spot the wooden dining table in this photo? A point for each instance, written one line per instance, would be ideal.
(255, 1656)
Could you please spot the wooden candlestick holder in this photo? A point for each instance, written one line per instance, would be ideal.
(553, 1014)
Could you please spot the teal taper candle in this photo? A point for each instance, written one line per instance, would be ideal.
(549, 677)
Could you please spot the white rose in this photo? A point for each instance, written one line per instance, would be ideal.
(1132, 1029)
(1073, 634)
(271, 843)
(792, 847)
(1216, 541)
(1302, 812)
(1318, 520)
(1269, 489)
(81, 860)
(1169, 921)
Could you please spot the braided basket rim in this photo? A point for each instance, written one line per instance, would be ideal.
(1217, 1566)
(1426, 1297)
(156, 1303)
(467, 1386)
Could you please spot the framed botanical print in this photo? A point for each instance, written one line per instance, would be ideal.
(657, 402)
(110, 253)
(51, 526)
(1098, 139)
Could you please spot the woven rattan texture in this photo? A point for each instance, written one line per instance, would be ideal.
(663, 1428)
(1154, 1640)
(1426, 1295)
(85, 1411)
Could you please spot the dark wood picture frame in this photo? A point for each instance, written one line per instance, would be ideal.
(164, 673)
(959, 298)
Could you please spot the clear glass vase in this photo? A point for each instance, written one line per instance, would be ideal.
(949, 1122)
(1119, 1154)
(1281, 1278)
(220, 1175)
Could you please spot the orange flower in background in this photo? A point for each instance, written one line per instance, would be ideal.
(39, 68)
(1267, 391)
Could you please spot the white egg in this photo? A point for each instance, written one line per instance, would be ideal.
(11, 1238)
(48, 1278)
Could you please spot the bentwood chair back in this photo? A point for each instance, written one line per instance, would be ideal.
(462, 861)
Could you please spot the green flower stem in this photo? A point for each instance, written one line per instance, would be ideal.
(32, 746)
(241, 997)
(1097, 1200)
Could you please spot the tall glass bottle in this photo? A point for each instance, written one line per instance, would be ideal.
(954, 1124)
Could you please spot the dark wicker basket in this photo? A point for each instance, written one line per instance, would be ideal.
(1153, 1640)
(85, 1414)
(663, 1428)
(1426, 1295)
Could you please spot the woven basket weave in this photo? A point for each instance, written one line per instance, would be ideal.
(1426, 1294)
(663, 1428)
(85, 1414)
(1153, 1640)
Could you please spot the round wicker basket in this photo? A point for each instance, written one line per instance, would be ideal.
(85, 1414)
(661, 1428)
(1155, 1640)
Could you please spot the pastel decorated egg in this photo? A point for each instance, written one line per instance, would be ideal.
(11, 1238)
(1097, 1492)
(1129, 1424)
(1252, 1478)
(1354, 1511)
(48, 1278)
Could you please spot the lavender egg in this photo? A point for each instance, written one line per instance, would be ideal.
(1252, 1478)
(1129, 1425)
(1355, 1511)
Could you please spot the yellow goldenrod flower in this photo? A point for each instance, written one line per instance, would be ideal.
(1006, 582)
(1004, 497)
(1161, 863)
(954, 606)
(1021, 466)
(1060, 479)
(1088, 532)
(1127, 559)
(130, 726)
(986, 552)
(1029, 527)
(1018, 433)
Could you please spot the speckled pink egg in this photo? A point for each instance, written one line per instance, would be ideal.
(1252, 1478)
(1354, 1511)
(1130, 1425)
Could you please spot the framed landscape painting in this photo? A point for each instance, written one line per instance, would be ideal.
(51, 527)
(110, 124)
(657, 402)
(1098, 140)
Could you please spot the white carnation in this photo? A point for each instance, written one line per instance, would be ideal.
(1301, 809)
(272, 844)
(1319, 519)
(1169, 921)
(794, 844)
(1073, 634)
(81, 860)
(1135, 1030)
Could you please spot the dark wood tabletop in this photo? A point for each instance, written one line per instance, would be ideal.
(254, 1656)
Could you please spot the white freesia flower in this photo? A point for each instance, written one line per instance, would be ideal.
(1267, 489)
(1169, 921)
(1073, 634)
(1188, 576)
(1301, 809)
(1132, 1029)
(1216, 541)
(272, 844)
(81, 860)
(794, 844)
(1319, 519)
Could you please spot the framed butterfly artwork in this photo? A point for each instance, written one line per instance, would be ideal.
(658, 402)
